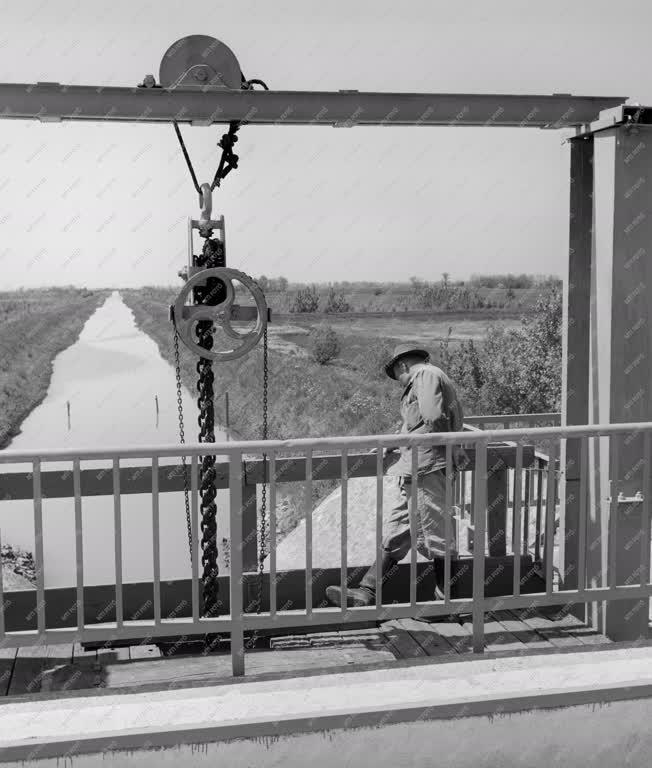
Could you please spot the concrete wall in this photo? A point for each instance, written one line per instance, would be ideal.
(561, 709)
(613, 734)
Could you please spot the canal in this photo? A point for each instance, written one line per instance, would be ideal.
(110, 388)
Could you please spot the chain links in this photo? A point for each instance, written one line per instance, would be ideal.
(212, 256)
(182, 439)
(263, 503)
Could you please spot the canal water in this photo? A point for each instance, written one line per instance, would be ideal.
(106, 390)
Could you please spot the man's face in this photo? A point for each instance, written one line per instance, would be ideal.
(401, 372)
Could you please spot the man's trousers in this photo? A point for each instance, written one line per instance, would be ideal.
(431, 516)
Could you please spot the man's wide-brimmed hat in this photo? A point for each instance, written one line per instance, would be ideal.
(401, 350)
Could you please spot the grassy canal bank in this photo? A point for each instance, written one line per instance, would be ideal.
(350, 395)
(35, 326)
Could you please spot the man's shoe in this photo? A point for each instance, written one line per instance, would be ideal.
(355, 598)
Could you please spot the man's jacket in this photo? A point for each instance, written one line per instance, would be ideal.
(429, 404)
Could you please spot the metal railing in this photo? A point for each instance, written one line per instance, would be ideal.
(514, 420)
(490, 456)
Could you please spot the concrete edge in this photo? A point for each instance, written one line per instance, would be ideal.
(489, 705)
(210, 682)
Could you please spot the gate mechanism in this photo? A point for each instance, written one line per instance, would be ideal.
(198, 61)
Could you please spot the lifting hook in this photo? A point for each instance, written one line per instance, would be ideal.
(206, 206)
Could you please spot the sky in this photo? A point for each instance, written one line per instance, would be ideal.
(106, 205)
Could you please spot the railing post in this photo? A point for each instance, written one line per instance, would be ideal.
(480, 512)
(626, 619)
(497, 492)
(236, 484)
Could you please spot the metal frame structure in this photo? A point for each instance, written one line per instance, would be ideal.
(201, 83)
(53, 102)
(607, 311)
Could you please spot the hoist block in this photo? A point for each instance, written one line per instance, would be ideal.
(224, 314)
(200, 61)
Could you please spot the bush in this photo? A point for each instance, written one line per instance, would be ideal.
(513, 371)
(378, 354)
(306, 300)
(336, 303)
(325, 345)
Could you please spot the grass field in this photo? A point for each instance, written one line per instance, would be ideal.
(36, 325)
(349, 396)
(402, 297)
(293, 334)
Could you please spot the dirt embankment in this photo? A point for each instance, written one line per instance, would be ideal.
(36, 326)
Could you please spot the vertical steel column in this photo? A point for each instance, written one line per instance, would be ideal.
(629, 373)
(576, 370)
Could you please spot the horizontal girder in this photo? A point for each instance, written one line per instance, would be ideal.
(206, 106)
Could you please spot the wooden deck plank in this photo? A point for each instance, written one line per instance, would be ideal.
(589, 636)
(259, 662)
(36, 667)
(496, 636)
(428, 637)
(80, 653)
(144, 652)
(557, 635)
(458, 635)
(401, 642)
(530, 638)
(169, 671)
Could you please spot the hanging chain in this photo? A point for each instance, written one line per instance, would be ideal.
(182, 439)
(213, 293)
(263, 503)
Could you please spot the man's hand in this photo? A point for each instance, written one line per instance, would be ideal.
(390, 454)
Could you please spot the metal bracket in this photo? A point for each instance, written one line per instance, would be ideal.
(637, 497)
(237, 312)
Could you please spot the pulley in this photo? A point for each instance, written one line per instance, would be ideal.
(200, 61)
(224, 314)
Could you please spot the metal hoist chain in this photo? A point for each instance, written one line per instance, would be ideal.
(263, 503)
(213, 293)
(212, 256)
(182, 439)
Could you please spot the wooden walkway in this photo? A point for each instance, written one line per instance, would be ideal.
(60, 668)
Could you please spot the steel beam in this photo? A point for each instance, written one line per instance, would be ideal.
(54, 102)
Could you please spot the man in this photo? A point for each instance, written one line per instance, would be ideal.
(428, 404)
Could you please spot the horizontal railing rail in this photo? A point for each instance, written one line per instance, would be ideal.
(99, 482)
(529, 419)
(500, 463)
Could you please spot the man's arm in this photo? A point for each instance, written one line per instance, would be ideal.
(427, 387)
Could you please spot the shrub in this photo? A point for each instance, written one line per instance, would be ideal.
(306, 300)
(336, 302)
(513, 371)
(378, 354)
(325, 345)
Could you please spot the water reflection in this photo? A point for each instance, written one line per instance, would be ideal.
(111, 377)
